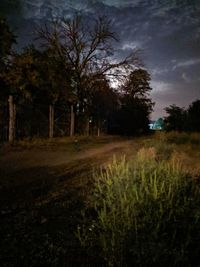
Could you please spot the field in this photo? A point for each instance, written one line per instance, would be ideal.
(44, 186)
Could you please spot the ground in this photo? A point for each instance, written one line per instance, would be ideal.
(43, 186)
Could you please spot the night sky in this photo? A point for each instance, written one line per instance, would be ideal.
(167, 31)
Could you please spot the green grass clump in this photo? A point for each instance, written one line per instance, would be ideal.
(144, 213)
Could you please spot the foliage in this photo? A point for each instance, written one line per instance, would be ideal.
(180, 119)
(194, 116)
(36, 79)
(33, 71)
(135, 106)
(133, 116)
(137, 84)
(6, 41)
(177, 138)
(176, 118)
(144, 214)
(181, 138)
(104, 102)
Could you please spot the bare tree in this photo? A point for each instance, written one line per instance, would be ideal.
(88, 49)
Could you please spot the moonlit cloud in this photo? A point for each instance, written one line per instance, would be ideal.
(161, 87)
(121, 3)
(158, 71)
(185, 77)
(186, 63)
(131, 46)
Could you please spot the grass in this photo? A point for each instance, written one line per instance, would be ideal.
(179, 138)
(146, 213)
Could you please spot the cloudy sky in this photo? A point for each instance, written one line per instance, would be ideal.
(167, 31)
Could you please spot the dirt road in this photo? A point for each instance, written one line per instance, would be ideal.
(18, 159)
(29, 173)
(43, 190)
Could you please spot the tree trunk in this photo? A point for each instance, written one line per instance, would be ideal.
(12, 116)
(98, 127)
(98, 131)
(87, 127)
(72, 117)
(51, 121)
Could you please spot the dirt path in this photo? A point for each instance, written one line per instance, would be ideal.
(17, 160)
(27, 174)
(43, 191)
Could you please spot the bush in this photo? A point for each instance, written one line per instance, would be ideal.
(195, 139)
(178, 138)
(144, 214)
(182, 138)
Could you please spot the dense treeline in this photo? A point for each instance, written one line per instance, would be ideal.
(181, 119)
(68, 79)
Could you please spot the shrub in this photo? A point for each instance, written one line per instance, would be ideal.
(144, 214)
(178, 138)
(195, 139)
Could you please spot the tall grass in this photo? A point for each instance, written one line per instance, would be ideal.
(144, 213)
(180, 138)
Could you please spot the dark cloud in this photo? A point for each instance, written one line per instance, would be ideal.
(168, 31)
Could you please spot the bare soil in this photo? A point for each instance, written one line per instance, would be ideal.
(43, 190)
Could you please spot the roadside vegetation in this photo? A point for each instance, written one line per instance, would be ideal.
(145, 213)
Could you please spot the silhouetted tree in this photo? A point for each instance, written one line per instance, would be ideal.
(176, 118)
(7, 39)
(133, 116)
(38, 76)
(193, 120)
(137, 84)
(136, 105)
(104, 102)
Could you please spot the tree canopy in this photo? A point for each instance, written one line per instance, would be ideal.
(135, 106)
(193, 120)
(180, 119)
(7, 39)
